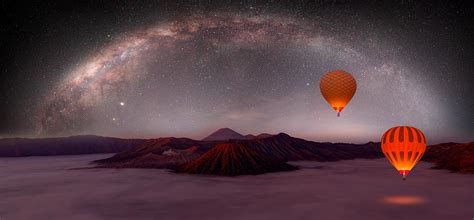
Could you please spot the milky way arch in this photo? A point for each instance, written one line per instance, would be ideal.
(124, 63)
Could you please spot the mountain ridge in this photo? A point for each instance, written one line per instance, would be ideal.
(72, 145)
(171, 152)
(456, 157)
(280, 147)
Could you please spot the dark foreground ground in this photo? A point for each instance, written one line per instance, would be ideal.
(47, 188)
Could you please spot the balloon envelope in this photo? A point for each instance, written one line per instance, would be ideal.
(403, 146)
(338, 87)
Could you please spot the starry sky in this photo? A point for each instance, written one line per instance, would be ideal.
(161, 68)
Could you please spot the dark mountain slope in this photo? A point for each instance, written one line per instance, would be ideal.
(170, 158)
(87, 144)
(452, 156)
(233, 159)
(285, 147)
(156, 153)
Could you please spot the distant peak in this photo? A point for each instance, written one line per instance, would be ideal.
(283, 135)
(225, 130)
(223, 134)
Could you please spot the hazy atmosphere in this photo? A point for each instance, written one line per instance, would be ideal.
(51, 188)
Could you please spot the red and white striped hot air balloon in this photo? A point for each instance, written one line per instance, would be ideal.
(403, 146)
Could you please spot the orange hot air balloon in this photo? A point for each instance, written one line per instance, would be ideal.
(403, 146)
(338, 87)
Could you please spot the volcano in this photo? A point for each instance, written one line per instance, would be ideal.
(224, 134)
(269, 150)
(233, 159)
(158, 153)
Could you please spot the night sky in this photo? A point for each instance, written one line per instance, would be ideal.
(150, 69)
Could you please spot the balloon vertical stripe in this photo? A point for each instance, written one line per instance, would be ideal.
(400, 134)
(410, 134)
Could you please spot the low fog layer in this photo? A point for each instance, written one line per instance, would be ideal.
(47, 188)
